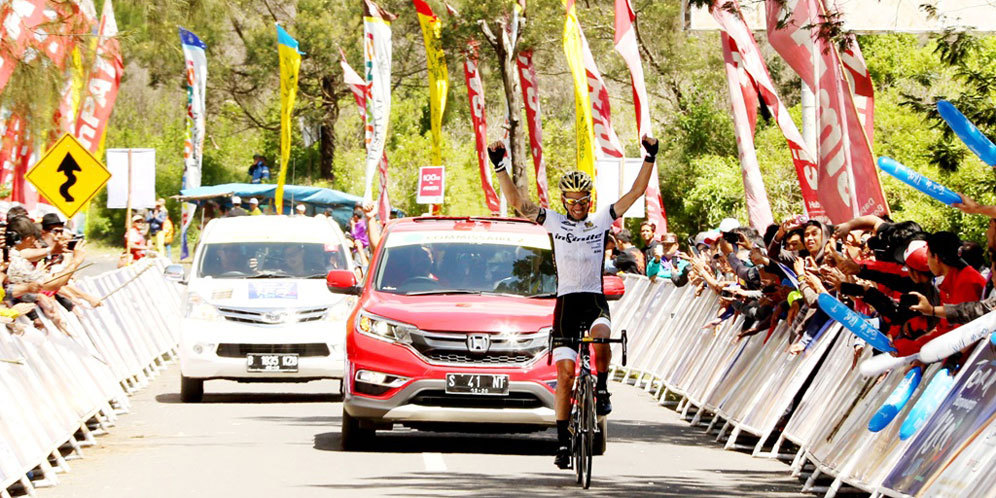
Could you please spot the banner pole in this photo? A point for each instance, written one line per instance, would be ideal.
(128, 211)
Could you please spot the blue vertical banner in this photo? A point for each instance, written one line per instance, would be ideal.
(193, 145)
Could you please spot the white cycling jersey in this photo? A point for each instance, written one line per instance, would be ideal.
(578, 249)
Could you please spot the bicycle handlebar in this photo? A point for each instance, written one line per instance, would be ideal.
(573, 341)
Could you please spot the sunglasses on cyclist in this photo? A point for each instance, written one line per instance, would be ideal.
(571, 202)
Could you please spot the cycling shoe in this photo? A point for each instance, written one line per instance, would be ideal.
(563, 458)
(602, 404)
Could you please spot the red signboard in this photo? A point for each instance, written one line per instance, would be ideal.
(431, 184)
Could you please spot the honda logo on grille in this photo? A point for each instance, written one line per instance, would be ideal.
(478, 343)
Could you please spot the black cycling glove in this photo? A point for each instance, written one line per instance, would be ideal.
(651, 150)
(497, 155)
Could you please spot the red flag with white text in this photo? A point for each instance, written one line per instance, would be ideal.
(102, 88)
(478, 119)
(530, 97)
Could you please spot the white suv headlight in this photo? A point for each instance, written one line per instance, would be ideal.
(199, 309)
(383, 329)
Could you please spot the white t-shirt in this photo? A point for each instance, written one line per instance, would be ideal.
(579, 249)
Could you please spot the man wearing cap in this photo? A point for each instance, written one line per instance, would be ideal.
(664, 263)
(259, 171)
(237, 209)
(52, 229)
(254, 207)
(301, 210)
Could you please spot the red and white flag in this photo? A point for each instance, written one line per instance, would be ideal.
(626, 46)
(360, 90)
(847, 178)
(530, 96)
(759, 81)
(758, 208)
(18, 21)
(102, 88)
(478, 119)
(601, 113)
(8, 150)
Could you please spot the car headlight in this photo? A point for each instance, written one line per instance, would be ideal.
(383, 329)
(199, 309)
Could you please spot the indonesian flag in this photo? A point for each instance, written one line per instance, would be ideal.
(102, 89)
(847, 177)
(530, 96)
(359, 89)
(626, 46)
(758, 81)
(758, 208)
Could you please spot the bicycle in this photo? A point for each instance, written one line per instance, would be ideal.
(584, 427)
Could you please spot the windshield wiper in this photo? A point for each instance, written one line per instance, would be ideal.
(548, 294)
(443, 291)
(317, 275)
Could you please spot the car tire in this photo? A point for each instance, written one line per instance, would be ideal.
(354, 437)
(191, 390)
(601, 437)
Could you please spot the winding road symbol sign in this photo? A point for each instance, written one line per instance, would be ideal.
(68, 175)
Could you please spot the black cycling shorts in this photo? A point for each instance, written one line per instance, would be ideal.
(575, 313)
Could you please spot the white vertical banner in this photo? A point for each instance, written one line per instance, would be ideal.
(377, 69)
(143, 178)
(193, 144)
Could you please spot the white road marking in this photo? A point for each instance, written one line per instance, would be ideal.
(434, 462)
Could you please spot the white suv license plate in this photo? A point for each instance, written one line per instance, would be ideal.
(486, 384)
(256, 362)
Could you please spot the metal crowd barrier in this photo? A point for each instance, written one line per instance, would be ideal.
(753, 389)
(57, 392)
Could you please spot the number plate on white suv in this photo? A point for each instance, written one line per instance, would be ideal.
(477, 384)
(256, 362)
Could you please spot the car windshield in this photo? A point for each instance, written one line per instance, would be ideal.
(271, 260)
(420, 264)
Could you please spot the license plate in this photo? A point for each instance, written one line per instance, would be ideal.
(271, 362)
(496, 385)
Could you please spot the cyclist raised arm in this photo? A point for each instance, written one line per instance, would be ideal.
(578, 249)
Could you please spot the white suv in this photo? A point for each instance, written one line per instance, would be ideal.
(257, 306)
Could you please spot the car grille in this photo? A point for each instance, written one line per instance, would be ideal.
(453, 357)
(241, 350)
(272, 317)
(502, 349)
(443, 399)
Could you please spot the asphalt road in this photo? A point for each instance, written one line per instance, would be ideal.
(282, 440)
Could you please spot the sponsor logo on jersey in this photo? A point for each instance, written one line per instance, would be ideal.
(570, 238)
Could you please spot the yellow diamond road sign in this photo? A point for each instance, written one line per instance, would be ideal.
(68, 175)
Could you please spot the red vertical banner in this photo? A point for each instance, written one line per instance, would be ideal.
(18, 21)
(530, 96)
(760, 83)
(478, 119)
(627, 47)
(758, 208)
(102, 88)
(8, 150)
(848, 182)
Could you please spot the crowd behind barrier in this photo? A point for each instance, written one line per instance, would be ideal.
(754, 389)
(57, 391)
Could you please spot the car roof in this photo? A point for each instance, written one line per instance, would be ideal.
(432, 223)
(271, 228)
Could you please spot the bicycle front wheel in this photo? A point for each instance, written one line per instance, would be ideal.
(587, 439)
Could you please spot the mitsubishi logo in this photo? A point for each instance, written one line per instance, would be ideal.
(478, 343)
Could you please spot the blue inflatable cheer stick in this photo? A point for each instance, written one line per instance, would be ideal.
(968, 132)
(918, 181)
(854, 322)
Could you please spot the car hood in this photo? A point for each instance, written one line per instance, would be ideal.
(265, 293)
(464, 312)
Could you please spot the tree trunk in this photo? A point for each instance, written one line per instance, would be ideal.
(326, 139)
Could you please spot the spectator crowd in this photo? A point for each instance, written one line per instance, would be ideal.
(913, 285)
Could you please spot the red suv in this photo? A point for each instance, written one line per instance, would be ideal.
(450, 330)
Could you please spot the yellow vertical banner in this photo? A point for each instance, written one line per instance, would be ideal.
(439, 78)
(583, 128)
(290, 64)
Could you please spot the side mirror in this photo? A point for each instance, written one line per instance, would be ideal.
(174, 273)
(613, 286)
(342, 282)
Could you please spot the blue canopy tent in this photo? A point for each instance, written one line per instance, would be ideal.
(340, 203)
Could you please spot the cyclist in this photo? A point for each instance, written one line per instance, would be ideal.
(578, 248)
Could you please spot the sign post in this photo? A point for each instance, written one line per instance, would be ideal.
(431, 185)
(68, 175)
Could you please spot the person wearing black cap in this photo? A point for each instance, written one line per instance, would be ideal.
(52, 228)
(259, 171)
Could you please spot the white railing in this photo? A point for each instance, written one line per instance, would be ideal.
(816, 400)
(57, 392)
